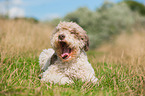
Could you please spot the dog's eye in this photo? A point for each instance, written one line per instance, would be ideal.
(72, 32)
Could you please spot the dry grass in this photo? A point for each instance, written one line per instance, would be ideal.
(127, 48)
(22, 37)
(127, 53)
(120, 66)
(20, 45)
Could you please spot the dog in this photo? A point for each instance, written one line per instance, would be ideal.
(67, 61)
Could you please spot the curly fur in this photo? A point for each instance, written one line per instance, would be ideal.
(58, 69)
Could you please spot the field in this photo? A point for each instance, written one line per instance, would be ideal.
(119, 66)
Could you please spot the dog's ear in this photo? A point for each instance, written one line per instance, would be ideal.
(86, 40)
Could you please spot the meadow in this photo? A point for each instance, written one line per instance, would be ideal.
(119, 65)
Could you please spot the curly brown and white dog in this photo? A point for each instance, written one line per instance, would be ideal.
(67, 60)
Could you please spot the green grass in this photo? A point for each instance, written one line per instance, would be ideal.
(19, 76)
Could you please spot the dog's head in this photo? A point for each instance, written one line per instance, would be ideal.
(68, 40)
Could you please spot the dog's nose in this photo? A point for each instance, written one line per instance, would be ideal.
(61, 37)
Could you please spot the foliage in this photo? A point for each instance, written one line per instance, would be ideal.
(55, 21)
(105, 23)
(135, 6)
(83, 16)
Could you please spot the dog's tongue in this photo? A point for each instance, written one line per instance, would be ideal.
(65, 53)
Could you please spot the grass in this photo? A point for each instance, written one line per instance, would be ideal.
(120, 67)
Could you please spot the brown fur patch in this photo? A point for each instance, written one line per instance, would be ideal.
(86, 40)
(82, 36)
(53, 59)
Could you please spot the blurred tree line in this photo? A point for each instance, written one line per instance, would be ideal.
(107, 21)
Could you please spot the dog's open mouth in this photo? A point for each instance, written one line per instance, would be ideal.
(65, 50)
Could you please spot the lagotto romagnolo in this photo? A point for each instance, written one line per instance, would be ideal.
(66, 60)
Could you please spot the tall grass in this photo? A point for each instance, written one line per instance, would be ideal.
(22, 36)
(118, 66)
(125, 59)
(20, 45)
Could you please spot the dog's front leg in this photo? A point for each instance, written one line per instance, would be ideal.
(53, 76)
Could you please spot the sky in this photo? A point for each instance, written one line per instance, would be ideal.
(47, 9)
